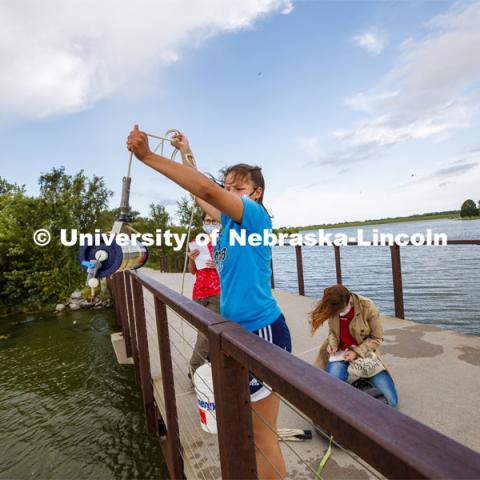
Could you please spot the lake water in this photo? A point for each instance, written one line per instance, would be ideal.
(68, 410)
(441, 285)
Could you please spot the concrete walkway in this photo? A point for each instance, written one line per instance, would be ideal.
(436, 372)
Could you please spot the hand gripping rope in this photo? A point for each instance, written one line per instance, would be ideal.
(174, 153)
(103, 260)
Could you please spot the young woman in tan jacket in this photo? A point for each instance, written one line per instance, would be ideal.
(354, 331)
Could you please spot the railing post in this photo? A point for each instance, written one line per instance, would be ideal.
(133, 328)
(301, 285)
(397, 281)
(123, 311)
(143, 357)
(338, 264)
(272, 278)
(163, 263)
(175, 460)
(233, 413)
(114, 293)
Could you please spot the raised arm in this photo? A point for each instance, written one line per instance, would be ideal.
(187, 177)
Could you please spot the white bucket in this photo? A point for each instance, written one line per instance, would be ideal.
(202, 379)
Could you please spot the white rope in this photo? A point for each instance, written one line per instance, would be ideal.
(185, 262)
(161, 144)
(291, 434)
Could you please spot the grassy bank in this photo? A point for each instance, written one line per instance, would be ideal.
(454, 215)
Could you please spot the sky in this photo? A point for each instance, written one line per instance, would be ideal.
(354, 109)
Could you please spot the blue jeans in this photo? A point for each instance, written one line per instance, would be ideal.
(383, 381)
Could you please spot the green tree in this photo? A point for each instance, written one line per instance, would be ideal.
(6, 187)
(34, 276)
(79, 197)
(184, 213)
(469, 209)
(159, 219)
(159, 215)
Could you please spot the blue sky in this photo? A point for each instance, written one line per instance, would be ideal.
(354, 110)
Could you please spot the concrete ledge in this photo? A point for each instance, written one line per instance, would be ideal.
(118, 343)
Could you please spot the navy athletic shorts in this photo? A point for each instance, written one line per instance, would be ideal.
(278, 334)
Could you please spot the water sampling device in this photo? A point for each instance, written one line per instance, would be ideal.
(105, 258)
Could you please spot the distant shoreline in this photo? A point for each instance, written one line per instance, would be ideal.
(453, 215)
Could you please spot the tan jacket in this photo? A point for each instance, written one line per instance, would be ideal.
(365, 327)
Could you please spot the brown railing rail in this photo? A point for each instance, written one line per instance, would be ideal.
(396, 269)
(391, 442)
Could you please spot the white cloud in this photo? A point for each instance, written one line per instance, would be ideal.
(310, 145)
(367, 102)
(383, 130)
(343, 201)
(445, 184)
(373, 41)
(432, 90)
(464, 168)
(58, 56)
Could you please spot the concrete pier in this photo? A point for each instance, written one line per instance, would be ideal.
(436, 372)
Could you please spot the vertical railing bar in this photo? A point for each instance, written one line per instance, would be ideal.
(338, 265)
(397, 281)
(115, 294)
(301, 285)
(170, 400)
(146, 382)
(233, 414)
(124, 313)
(133, 328)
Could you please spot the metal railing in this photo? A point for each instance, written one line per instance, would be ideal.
(397, 279)
(394, 444)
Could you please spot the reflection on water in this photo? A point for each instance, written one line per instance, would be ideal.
(441, 284)
(67, 409)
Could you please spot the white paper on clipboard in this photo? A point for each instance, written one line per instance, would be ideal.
(203, 257)
(339, 356)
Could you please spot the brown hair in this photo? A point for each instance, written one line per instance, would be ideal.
(334, 299)
(251, 173)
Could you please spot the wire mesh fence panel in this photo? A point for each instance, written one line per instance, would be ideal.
(201, 452)
(152, 334)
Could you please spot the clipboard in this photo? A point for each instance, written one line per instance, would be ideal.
(339, 356)
(203, 257)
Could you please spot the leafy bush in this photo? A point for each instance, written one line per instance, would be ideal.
(34, 276)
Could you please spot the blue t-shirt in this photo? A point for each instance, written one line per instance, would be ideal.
(246, 296)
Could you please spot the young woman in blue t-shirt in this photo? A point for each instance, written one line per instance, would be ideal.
(246, 296)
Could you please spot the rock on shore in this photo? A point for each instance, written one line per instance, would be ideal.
(77, 302)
